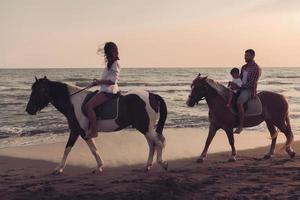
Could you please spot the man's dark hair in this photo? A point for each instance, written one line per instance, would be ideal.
(251, 51)
(234, 71)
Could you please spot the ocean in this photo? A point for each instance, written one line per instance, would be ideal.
(17, 128)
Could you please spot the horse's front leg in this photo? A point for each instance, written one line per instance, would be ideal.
(71, 141)
(211, 134)
(229, 133)
(94, 150)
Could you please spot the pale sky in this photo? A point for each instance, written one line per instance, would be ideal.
(149, 33)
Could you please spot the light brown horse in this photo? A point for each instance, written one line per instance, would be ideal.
(275, 113)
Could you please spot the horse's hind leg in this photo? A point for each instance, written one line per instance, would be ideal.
(273, 134)
(151, 154)
(211, 135)
(94, 150)
(159, 145)
(285, 127)
(229, 133)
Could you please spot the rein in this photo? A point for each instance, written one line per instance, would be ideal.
(195, 99)
(81, 90)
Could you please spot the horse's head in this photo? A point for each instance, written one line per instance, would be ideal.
(39, 97)
(199, 87)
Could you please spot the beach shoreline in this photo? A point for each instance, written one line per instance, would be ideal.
(24, 175)
(129, 147)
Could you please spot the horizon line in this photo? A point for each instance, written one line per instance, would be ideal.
(176, 67)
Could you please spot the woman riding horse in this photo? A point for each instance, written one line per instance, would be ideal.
(138, 109)
(108, 83)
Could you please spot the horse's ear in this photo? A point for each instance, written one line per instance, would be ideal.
(199, 74)
(45, 77)
(203, 78)
(36, 79)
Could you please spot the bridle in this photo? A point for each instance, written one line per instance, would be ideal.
(193, 98)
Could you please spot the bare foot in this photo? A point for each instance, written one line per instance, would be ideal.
(91, 135)
(238, 130)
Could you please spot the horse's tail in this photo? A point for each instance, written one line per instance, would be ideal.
(163, 112)
(290, 138)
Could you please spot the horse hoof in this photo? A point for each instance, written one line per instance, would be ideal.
(165, 165)
(147, 168)
(268, 156)
(292, 155)
(232, 159)
(200, 160)
(57, 172)
(98, 171)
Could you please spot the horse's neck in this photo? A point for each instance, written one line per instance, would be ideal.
(213, 99)
(73, 89)
(60, 97)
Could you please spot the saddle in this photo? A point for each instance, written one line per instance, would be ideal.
(253, 107)
(108, 110)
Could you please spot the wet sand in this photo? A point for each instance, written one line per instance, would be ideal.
(25, 172)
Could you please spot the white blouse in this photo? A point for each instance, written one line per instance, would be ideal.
(111, 74)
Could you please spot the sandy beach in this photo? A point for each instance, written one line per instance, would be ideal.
(25, 172)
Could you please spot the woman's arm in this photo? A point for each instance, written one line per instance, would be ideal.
(106, 82)
(102, 82)
(112, 78)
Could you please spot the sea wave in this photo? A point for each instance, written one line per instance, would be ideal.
(78, 79)
(9, 131)
(154, 84)
(277, 83)
(15, 92)
(288, 76)
(297, 88)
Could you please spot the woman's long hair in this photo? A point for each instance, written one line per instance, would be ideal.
(111, 53)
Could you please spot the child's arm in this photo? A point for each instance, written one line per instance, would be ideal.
(229, 84)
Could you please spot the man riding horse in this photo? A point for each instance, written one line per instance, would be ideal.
(250, 74)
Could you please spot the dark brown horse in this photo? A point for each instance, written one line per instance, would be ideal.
(275, 113)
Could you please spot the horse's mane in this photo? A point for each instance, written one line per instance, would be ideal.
(218, 88)
(73, 88)
(59, 89)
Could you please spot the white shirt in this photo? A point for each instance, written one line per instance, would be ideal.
(245, 74)
(111, 74)
(238, 82)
